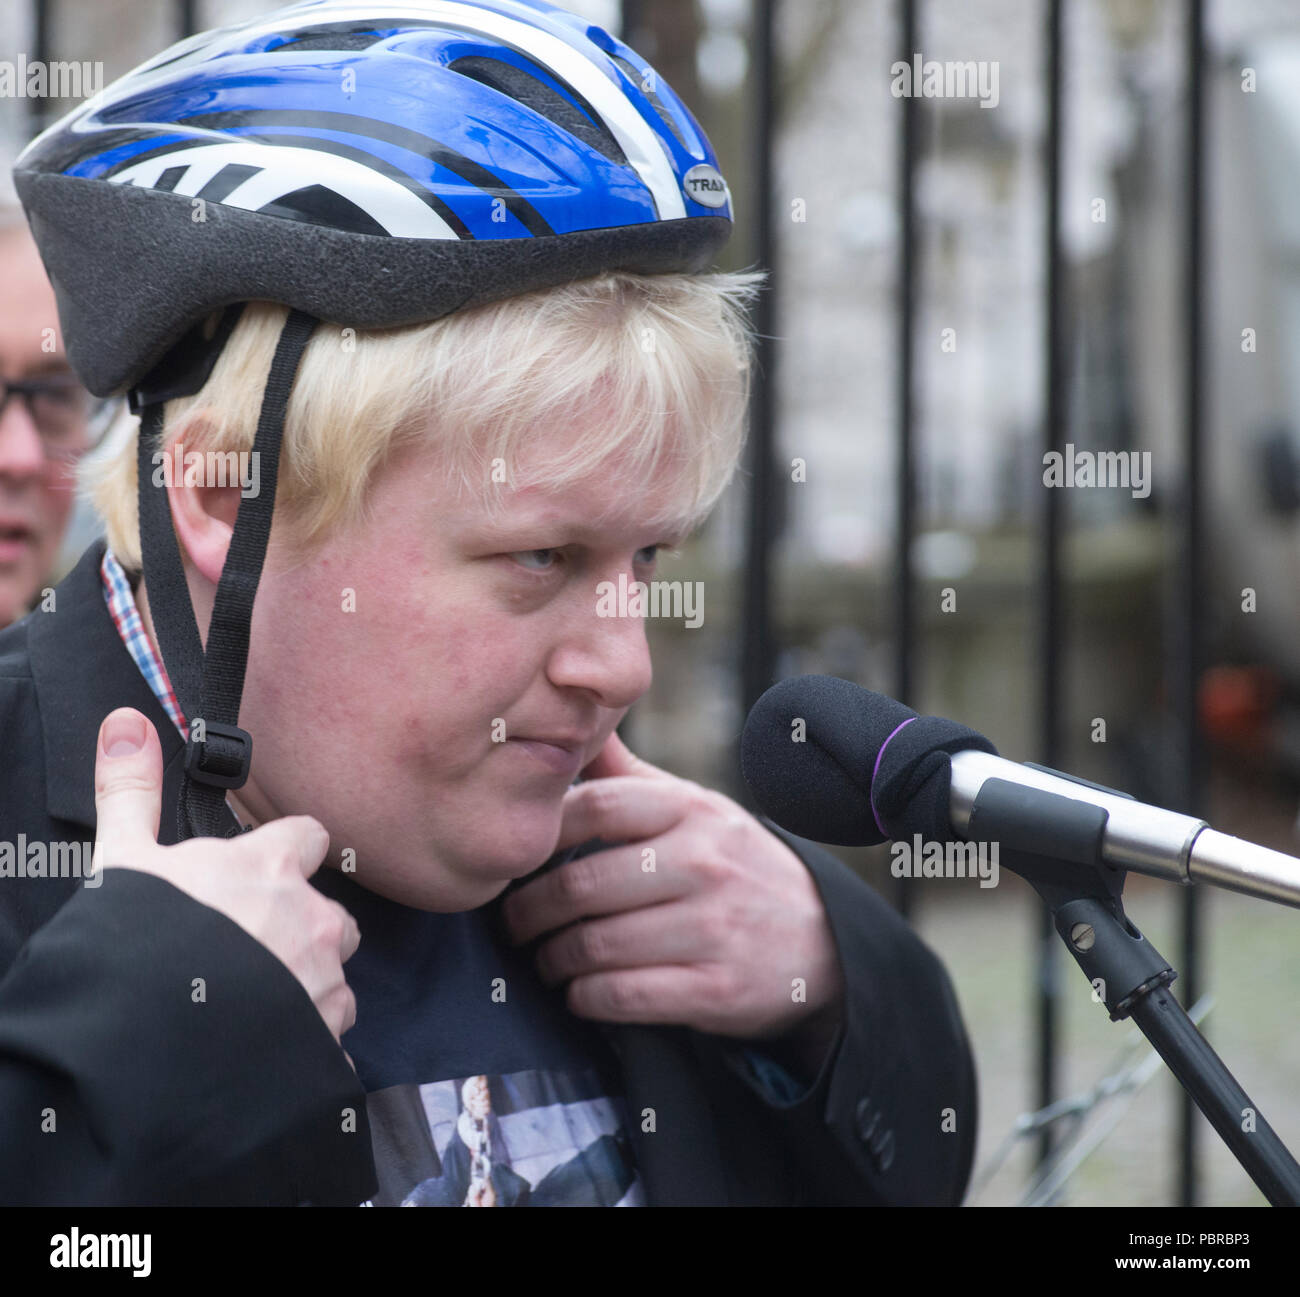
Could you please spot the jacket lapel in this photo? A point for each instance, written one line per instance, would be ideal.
(679, 1159)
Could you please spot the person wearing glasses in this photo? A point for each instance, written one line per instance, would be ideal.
(45, 424)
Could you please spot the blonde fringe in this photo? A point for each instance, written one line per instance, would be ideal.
(665, 360)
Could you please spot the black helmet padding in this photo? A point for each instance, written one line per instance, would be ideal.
(133, 271)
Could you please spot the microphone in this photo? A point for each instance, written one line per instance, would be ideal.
(833, 762)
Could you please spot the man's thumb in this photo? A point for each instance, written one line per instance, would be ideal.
(128, 783)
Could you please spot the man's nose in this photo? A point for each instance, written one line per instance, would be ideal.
(22, 452)
(609, 656)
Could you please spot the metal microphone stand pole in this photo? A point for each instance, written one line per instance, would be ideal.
(1055, 844)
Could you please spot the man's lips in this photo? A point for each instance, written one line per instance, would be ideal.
(562, 754)
(16, 538)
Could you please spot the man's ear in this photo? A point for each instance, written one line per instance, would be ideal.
(203, 515)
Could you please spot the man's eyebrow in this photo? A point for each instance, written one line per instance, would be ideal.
(52, 365)
(559, 534)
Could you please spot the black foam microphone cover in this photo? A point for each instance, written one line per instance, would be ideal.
(811, 754)
(808, 753)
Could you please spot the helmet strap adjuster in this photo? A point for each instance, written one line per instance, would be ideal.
(223, 764)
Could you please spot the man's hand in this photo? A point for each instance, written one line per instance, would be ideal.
(703, 918)
(258, 879)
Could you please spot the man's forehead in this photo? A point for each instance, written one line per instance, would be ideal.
(27, 308)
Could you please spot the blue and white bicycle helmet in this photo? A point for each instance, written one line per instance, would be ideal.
(367, 164)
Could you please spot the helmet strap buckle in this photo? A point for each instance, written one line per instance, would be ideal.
(224, 763)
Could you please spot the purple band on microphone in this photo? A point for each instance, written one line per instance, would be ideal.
(871, 795)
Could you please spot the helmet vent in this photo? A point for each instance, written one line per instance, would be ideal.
(529, 90)
(335, 36)
(637, 78)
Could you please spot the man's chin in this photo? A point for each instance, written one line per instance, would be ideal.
(469, 883)
(522, 843)
(448, 893)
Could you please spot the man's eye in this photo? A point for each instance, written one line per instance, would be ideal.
(651, 553)
(526, 558)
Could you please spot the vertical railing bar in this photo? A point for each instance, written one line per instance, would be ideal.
(1050, 609)
(36, 106)
(631, 25)
(757, 640)
(905, 469)
(1188, 661)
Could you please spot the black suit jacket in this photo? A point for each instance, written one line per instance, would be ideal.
(122, 1083)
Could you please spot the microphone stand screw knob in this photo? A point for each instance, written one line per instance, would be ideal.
(1082, 936)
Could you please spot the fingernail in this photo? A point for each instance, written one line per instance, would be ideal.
(123, 734)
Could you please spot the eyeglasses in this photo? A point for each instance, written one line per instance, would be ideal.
(68, 419)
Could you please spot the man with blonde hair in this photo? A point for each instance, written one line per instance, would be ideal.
(413, 303)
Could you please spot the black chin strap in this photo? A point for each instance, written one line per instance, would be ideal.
(209, 685)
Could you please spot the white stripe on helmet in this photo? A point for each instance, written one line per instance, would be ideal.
(286, 168)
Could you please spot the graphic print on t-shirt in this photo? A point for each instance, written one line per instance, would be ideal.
(526, 1139)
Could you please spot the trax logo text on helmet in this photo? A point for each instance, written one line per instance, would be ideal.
(705, 185)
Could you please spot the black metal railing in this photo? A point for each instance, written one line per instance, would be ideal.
(1183, 649)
